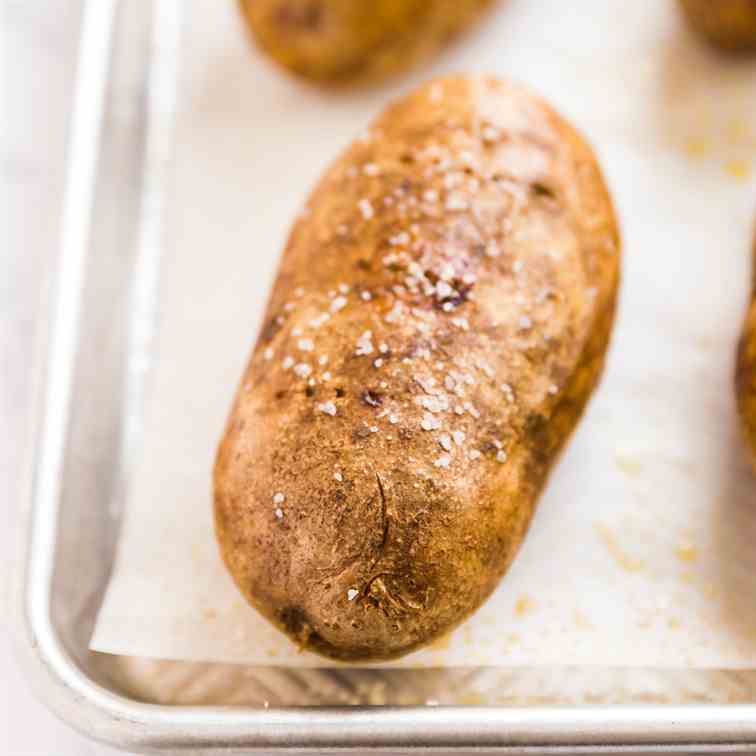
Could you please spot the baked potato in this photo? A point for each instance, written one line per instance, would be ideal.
(342, 40)
(730, 24)
(439, 320)
(746, 373)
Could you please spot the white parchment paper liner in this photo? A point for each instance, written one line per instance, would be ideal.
(643, 549)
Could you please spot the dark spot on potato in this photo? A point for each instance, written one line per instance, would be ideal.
(297, 623)
(363, 264)
(306, 17)
(431, 276)
(280, 394)
(405, 434)
(270, 329)
(310, 391)
(489, 447)
(340, 393)
(372, 398)
(460, 297)
(407, 158)
(542, 190)
(537, 429)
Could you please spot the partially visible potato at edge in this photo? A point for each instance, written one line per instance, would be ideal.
(746, 373)
(439, 320)
(730, 24)
(344, 40)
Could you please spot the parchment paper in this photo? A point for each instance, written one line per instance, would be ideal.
(643, 549)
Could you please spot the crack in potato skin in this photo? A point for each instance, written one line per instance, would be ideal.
(341, 41)
(366, 529)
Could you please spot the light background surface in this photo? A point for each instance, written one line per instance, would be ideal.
(38, 43)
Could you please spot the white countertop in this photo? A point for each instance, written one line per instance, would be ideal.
(40, 53)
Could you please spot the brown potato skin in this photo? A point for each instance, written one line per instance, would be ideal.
(729, 24)
(745, 377)
(339, 41)
(418, 546)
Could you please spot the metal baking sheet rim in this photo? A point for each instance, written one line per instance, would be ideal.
(107, 717)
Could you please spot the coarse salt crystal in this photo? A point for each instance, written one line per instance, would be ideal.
(459, 437)
(446, 442)
(455, 201)
(366, 296)
(287, 363)
(338, 476)
(377, 362)
(364, 344)
(474, 454)
(429, 422)
(327, 376)
(279, 498)
(461, 323)
(490, 134)
(289, 306)
(338, 304)
(492, 249)
(306, 345)
(297, 331)
(319, 320)
(525, 322)
(328, 407)
(443, 461)
(447, 306)
(553, 389)
(323, 359)
(352, 594)
(278, 513)
(371, 169)
(268, 353)
(443, 290)
(383, 348)
(447, 271)
(517, 266)
(343, 288)
(299, 291)
(395, 313)
(501, 456)
(430, 195)
(366, 208)
(374, 429)
(303, 370)
(471, 409)
(393, 419)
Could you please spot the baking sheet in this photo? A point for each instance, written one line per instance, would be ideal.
(643, 550)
